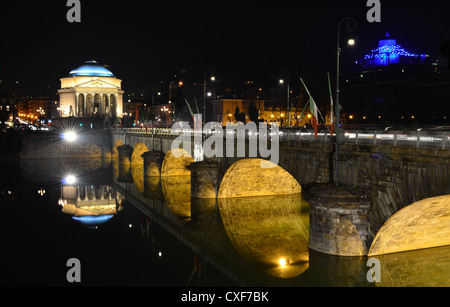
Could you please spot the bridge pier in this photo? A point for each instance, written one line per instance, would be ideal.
(339, 223)
(125, 152)
(205, 179)
(152, 163)
(124, 160)
(204, 213)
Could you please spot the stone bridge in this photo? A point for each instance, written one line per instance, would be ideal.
(391, 197)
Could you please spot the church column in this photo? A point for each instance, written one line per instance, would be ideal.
(85, 105)
(101, 106)
(77, 99)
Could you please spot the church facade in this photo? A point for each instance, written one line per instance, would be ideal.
(91, 90)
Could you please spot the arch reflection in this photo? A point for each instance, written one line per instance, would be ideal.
(137, 173)
(92, 205)
(418, 268)
(271, 231)
(177, 195)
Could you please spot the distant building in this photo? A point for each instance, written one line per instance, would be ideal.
(91, 90)
(32, 109)
(389, 52)
(7, 104)
(225, 109)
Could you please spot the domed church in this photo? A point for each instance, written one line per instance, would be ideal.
(91, 90)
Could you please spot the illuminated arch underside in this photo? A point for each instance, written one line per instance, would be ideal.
(246, 178)
(424, 224)
(136, 156)
(115, 152)
(176, 162)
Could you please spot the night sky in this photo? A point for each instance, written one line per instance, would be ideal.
(145, 41)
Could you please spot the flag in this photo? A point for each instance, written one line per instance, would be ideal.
(313, 110)
(332, 107)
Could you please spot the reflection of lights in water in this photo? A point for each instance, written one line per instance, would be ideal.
(93, 220)
(270, 231)
(70, 179)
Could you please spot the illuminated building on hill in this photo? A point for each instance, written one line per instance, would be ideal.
(389, 52)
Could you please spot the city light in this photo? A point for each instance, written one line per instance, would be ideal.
(351, 42)
(69, 136)
(282, 262)
(69, 180)
(389, 52)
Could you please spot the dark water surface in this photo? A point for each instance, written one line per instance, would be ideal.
(129, 231)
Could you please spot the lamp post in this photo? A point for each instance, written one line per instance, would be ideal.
(210, 71)
(288, 110)
(350, 27)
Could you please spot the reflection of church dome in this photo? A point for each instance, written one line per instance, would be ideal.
(93, 220)
(91, 69)
(91, 205)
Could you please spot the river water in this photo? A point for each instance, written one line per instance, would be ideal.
(127, 230)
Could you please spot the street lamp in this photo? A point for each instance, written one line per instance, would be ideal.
(288, 110)
(210, 71)
(350, 24)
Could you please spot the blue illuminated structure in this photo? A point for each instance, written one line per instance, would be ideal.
(91, 69)
(389, 52)
(93, 220)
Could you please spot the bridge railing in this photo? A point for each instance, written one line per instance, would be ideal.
(404, 138)
(409, 138)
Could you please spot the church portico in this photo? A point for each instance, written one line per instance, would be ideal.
(91, 91)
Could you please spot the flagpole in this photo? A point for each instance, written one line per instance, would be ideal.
(332, 106)
(312, 105)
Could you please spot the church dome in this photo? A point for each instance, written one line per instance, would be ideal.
(91, 69)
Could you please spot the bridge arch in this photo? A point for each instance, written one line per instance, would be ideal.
(423, 224)
(136, 156)
(115, 152)
(176, 162)
(247, 178)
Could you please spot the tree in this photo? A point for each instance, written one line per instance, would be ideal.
(253, 113)
(240, 117)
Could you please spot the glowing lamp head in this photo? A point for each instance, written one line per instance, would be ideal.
(70, 136)
(351, 42)
(70, 180)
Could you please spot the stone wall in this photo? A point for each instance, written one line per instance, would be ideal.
(394, 177)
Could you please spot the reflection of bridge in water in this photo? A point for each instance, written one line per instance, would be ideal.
(260, 245)
(257, 242)
(263, 241)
